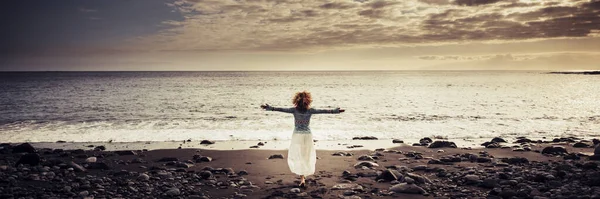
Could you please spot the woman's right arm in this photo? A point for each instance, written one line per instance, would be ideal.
(270, 108)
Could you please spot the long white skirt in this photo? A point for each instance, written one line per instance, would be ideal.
(302, 156)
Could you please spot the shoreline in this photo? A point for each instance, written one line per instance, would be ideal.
(271, 144)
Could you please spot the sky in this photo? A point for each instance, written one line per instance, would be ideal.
(149, 35)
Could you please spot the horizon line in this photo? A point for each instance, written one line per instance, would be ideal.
(355, 70)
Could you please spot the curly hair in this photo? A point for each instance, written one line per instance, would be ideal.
(302, 100)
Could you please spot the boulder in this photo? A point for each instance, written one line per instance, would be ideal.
(442, 144)
(207, 142)
(100, 148)
(397, 141)
(389, 175)
(523, 140)
(365, 164)
(516, 160)
(32, 159)
(365, 138)
(425, 140)
(76, 167)
(98, 165)
(276, 156)
(554, 150)
(23, 148)
(366, 158)
(498, 140)
(407, 188)
(581, 145)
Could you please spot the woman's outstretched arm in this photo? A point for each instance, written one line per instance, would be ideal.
(330, 111)
(270, 108)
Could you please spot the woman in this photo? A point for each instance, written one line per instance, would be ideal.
(302, 156)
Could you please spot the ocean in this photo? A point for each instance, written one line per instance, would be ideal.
(175, 106)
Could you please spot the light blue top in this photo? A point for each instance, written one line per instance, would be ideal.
(302, 119)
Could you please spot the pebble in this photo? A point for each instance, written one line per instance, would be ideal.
(173, 192)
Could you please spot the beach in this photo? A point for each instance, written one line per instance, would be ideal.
(522, 168)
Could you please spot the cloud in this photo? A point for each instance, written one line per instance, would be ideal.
(292, 25)
(474, 2)
(534, 61)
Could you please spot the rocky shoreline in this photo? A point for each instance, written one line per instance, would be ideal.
(432, 168)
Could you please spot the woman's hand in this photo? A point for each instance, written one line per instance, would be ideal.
(265, 106)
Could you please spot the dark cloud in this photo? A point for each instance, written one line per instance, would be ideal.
(381, 4)
(474, 2)
(338, 5)
(436, 2)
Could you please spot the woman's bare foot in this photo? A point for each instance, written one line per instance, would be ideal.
(302, 182)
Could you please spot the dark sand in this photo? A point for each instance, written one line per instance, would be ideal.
(271, 178)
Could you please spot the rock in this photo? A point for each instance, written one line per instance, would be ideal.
(276, 156)
(78, 151)
(98, 165)
(183, 165)
(365, 164)
(173, 192)
(32, 159)
(254, 147)
(123, 153)
(418, 178)
(425, 140)
(516, 160)
(204, 159)
(581, 145)
(522, 140)
(442, 144)
(207, 142)
(498, 140)
(346, 186)
(91, 159)
(397, 141)
(295, 190)
(61, 141)
(100, 148)
(596, 141)
(341, 153)
(407, 188)
(492, 145)
(168, 159)
(597, 151)
(23, 148)
(206, 174)
(242, 173)
(260, 144)
(84, 193)
(366, 158)
(554, 150)
(471, 178)
(390, 175)
(77, 167)
(144, 177)
(365, 138)
(483, 159)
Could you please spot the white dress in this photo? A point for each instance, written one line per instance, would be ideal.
(302, 156)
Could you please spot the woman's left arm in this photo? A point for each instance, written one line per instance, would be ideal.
(330, 111)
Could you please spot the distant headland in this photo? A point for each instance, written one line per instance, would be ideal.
(577, 72)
